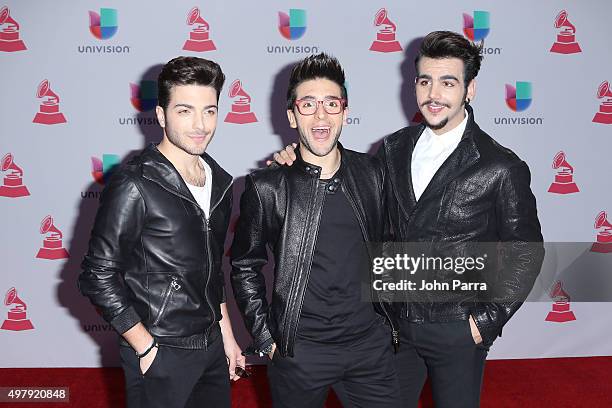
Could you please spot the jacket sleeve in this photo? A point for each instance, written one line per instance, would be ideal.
(248, 256)
(116, 231)
(519, 231)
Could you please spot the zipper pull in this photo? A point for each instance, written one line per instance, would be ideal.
(396, 341)
(174, 284)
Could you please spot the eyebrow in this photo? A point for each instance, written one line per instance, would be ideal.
(443, 77)
(325, 97)
(186, 105)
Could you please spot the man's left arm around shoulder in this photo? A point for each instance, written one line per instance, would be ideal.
(519, 230)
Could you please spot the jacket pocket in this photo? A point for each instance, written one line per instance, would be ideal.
(172, 287)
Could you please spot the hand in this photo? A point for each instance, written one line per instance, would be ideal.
(271, 354)
(475, 332)
(147, 361)
(234, 357)
(284, 157)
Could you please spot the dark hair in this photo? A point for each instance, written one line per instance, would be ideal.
(313, 67)
(188, 71)
(448, 44)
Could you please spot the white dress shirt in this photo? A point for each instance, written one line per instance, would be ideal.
(430, 152)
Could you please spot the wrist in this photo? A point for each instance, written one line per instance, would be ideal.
(144, 353)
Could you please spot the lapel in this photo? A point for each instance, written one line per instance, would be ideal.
(398, 153)
(461, 159)
(221, 181)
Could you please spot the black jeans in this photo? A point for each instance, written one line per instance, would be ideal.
(364, 367)
(178, 378)
(447, 353)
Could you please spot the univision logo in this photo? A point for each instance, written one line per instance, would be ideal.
(101, 170)
(103, 26)
(292, 26)
(143, 97)
(476, 27)
(518, 99)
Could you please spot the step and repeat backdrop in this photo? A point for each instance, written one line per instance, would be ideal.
(77, 97)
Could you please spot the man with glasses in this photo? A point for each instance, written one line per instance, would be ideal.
(316, 217)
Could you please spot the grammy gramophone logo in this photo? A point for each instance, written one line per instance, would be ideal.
(9, 32)
(604, 115)
(52, 247)
(385, 37)
(603, 243)
(16, 319)
(566, 38)
(241, 106)
(48, 111)
(12, 184)
(560, 312)
(199, 37)
(564, 179)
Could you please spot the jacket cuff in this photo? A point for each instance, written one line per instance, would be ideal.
(125, 320)
(487, 324)
(255, 347)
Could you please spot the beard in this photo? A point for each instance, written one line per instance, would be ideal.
(443, 122)
(437, 126)
(182, 142)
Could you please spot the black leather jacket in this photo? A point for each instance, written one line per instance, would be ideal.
(154, 257)
(281, 209)
(480, 194)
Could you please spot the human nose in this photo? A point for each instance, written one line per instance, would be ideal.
(321, 112)
(198, 122)
(434, 91)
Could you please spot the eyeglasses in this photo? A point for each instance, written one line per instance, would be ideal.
(308, 106)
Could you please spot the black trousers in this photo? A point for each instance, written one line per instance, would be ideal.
(447, 353)
(178, 378)
(364, 368)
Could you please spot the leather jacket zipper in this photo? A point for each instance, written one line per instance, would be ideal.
(210, 268)
(208, 252)
(210, 265)
(394, 332)
(172, 287)
(291, 333)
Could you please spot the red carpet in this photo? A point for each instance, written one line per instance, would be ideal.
(558, 383)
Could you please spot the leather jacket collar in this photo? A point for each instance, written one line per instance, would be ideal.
(157, 168)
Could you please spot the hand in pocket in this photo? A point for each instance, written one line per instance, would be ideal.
(147, 361)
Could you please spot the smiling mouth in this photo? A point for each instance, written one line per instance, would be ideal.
(320, 132)
(434, 107)
(198, 138)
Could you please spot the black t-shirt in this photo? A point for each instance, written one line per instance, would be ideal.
(333, 309)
